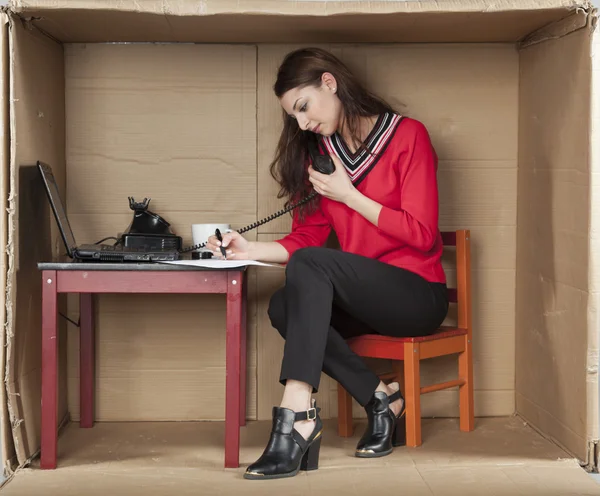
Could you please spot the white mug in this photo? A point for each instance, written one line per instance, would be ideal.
(201, 233)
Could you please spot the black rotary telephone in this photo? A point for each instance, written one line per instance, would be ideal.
(147, 225)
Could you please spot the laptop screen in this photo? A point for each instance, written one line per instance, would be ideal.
(58, 207)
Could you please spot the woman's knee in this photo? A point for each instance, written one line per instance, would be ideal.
(276, 311)
(305, 257)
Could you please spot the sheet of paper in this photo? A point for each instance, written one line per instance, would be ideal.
(220, 264)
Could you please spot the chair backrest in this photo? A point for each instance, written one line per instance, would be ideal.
(461, 295)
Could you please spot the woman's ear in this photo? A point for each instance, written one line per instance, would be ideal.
(329, 82)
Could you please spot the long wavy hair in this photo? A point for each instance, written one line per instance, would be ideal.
(301, 68)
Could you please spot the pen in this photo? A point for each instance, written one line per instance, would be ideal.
(220, 238)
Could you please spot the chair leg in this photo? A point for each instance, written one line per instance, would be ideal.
(465, 372)
(412, 378)
(345, 426)
(398, 369)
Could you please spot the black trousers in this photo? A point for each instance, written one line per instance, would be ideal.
(329, 296)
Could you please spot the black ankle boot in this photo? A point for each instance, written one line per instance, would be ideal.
(287, 451)
(384, 430)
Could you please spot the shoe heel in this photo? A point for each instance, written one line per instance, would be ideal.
(399, 436)
(310, 460)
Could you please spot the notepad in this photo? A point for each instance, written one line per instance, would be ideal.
(220, 264)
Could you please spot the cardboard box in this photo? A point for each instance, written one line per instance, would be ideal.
(173, 101)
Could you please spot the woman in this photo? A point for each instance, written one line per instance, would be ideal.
(382, 203)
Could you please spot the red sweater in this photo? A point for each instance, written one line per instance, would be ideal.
(402, 178)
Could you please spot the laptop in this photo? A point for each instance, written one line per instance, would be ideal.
(95, 252)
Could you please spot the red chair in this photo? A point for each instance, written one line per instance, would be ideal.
(446, 341)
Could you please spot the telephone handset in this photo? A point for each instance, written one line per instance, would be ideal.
(321, 163)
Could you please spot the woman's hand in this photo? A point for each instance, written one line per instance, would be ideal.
(235, 244)
(336, 186)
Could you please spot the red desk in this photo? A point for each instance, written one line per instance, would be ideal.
(87, 279)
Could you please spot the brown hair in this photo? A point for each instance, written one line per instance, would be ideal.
(301, 68)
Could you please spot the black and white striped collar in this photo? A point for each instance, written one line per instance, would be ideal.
(358, 164)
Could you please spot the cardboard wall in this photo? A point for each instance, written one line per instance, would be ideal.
(37, 133)
(177, 124)
(593, 402)
(194, 128)
(554, 344)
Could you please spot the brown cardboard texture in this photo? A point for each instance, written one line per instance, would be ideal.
(7, 445)
(505, 91)
(503, 456)
(553, 285)
(276, 21)
(37, 130)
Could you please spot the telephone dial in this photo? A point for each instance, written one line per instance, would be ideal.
(150, 229)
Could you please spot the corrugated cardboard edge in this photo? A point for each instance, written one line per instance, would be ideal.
(281, 7)
(581, 18)
(9, 330)
(593, 391)
(10, 247)
(7, 446)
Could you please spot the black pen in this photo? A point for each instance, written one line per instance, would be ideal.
(220, 238)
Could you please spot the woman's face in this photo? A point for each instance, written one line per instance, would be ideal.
(317, 109)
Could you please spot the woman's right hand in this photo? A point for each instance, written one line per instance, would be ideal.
(235, 244)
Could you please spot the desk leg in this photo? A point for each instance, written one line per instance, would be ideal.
(49, 424)
(233, 364)
(87, 357)
(243, 350)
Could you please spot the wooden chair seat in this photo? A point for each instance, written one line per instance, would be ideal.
(409, 351)
(442, 333)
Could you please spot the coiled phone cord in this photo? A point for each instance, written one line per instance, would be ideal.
(321, 163)
(260, 222)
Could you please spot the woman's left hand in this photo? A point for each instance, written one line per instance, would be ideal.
(336, 186)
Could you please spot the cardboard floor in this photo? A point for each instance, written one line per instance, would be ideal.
(503, 456)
